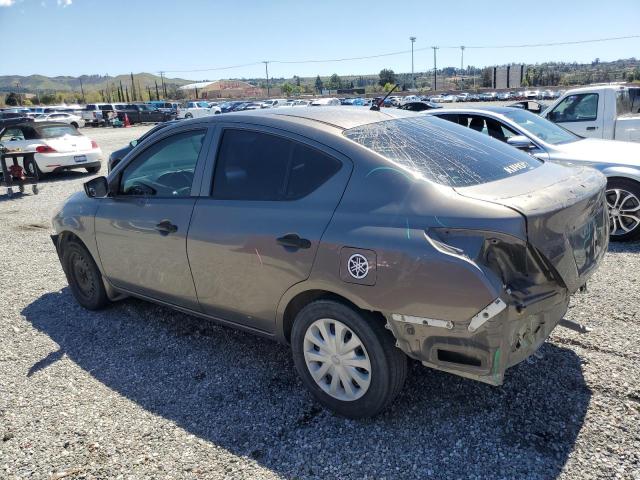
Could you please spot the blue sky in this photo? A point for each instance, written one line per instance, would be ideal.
(73, 37)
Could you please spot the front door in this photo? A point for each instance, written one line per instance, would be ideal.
(579, 114)
(141, 229)
(257, 232)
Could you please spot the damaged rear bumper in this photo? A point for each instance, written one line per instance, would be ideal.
(483, 350)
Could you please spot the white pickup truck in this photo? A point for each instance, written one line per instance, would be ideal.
(607, 111)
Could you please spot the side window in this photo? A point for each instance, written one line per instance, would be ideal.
(576, 108)
(12, 134)
(166, 168)
(309, 168)
(259, 166)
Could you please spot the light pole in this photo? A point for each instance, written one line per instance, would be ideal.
(413, 77)
(461, 66)
(435, 69)
(266, 69)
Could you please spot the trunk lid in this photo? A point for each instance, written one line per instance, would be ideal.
(565, 212)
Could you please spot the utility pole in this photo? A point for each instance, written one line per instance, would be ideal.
(435, 69)
(266, 69)
(164, 87)
(461, 66)
(82, 90)
(157, 93)
(413, 77)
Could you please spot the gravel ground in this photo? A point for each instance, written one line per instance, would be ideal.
(140, 391)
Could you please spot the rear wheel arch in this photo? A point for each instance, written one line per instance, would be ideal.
(306, 297)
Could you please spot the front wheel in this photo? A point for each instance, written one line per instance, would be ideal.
(347, 359)
(623, 200)
(188, 115)
(85, 280)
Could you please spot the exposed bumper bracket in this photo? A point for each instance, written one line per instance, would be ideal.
(575, 326)
(488, 312)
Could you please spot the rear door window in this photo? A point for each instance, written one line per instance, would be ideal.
(259, 166)
(442, 152)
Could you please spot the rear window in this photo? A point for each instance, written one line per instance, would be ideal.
(628, 102)
(442, 152)
(54, 131)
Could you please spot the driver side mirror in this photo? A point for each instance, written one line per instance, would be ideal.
(520, 142)
(97, 187)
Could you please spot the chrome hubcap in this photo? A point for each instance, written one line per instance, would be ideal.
(337, 359)
(624, 211)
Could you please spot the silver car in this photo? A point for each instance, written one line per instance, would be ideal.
(618, 161)
(361, 238)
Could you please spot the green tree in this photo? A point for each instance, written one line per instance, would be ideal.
(389, 86)
(386, 76)
(335, 82)
(287, 89)
(319, 84)
(12, 100)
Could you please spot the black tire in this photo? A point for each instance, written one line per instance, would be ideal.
(626, 187)
(31, 168)
(83, 276)
(388, 363)
(93, 169)
(75, 125)
(188, 115)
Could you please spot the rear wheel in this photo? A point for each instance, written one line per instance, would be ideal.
(188, 115)
(74, 124)
(31, 168)
(347, 359)
(85, 280)
(623, 200)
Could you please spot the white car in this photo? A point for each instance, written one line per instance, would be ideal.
(56, 147)
(325, 102)
(74, 120)
(273, 103)
(197, 110)
(301, 103)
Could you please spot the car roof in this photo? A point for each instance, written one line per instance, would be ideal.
(342, 117)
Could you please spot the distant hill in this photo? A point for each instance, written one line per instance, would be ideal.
(91, 83)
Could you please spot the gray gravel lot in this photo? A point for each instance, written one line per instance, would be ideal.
(141, 391)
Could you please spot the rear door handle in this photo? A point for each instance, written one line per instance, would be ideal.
(165, 227)
(294, 241)
(592, 128)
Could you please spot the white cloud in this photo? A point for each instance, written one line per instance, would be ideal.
(62, 3)
(7, 3)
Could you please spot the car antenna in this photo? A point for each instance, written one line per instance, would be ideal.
(376, 107)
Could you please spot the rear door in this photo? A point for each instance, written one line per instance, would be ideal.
(256, 231)
(141, 229)
(581, 113)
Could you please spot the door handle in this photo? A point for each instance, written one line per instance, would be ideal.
(294, 241)
(592, 128)
(165, 227)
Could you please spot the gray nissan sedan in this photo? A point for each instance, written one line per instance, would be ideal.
(359, 237)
